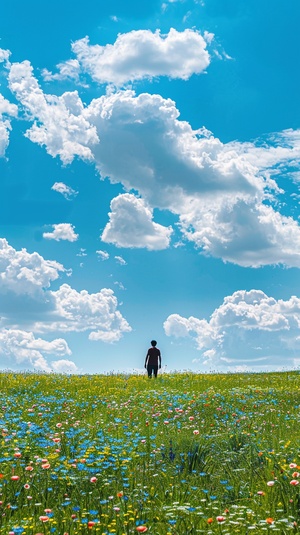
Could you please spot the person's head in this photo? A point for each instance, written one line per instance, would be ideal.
(153, 343)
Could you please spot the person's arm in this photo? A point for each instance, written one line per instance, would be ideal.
(159, 359)
(146, 359)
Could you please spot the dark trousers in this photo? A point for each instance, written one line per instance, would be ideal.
(152, 368)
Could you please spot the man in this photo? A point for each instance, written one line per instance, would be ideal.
(153, 359)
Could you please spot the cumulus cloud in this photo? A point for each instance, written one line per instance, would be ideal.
(4, 55)
(266, 329)
(24, 286)
(66, 191)
(64, 366)
(69, 70)
(103, 255)
(7, 110)
(144, 54)
(224, 194)
(131, 225)
(120, 260)
(26, 273)
(58, 122)
(61, 231)
(82, 311)
(22, 347)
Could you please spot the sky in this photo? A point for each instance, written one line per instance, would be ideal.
(149, 185)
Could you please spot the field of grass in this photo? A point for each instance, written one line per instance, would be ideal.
(183, 454)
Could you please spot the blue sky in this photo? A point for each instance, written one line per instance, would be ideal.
(149, 185)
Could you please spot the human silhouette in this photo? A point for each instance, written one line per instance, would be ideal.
(153, 359)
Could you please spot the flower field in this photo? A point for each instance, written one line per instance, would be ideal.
(183, 454)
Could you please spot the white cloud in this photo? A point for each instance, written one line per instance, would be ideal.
(24, 285)
(144, 54)
(103, 255)
(67, 192)
(82, 252)
(61, 231)
(266, 329)
(120, 260)
(82, 311)
(4, 56)
(10, 110)
(221, 192)
(216, 189)
(69, 70)
(22, 347)
(25, 273)
(64, 366)
(131, 225)
(58, 121)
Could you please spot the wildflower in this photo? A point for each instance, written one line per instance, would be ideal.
(93, 479)
(15, 478)
(261, 493)
(196, 432)
(44, 518)
(270, 483)
(120, 494)
(270, 520)
(293, 465)
(294, 482)
(220, 518)
(210, 520)
(45, 466)
(26, 486)
(90, 524)
(295, 474)
(141, 529)
(29, 468)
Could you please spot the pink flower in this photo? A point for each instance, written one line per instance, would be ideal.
(220, 518)
(270, 483)
(93, 479)
(294, 482)
(196, 432)
(44, 518)
(15, 478)
(293, 465)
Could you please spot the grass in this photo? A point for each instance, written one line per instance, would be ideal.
(183, 454)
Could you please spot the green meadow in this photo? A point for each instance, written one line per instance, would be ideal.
(116, 454)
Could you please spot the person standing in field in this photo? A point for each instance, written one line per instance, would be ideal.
(153, 359)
